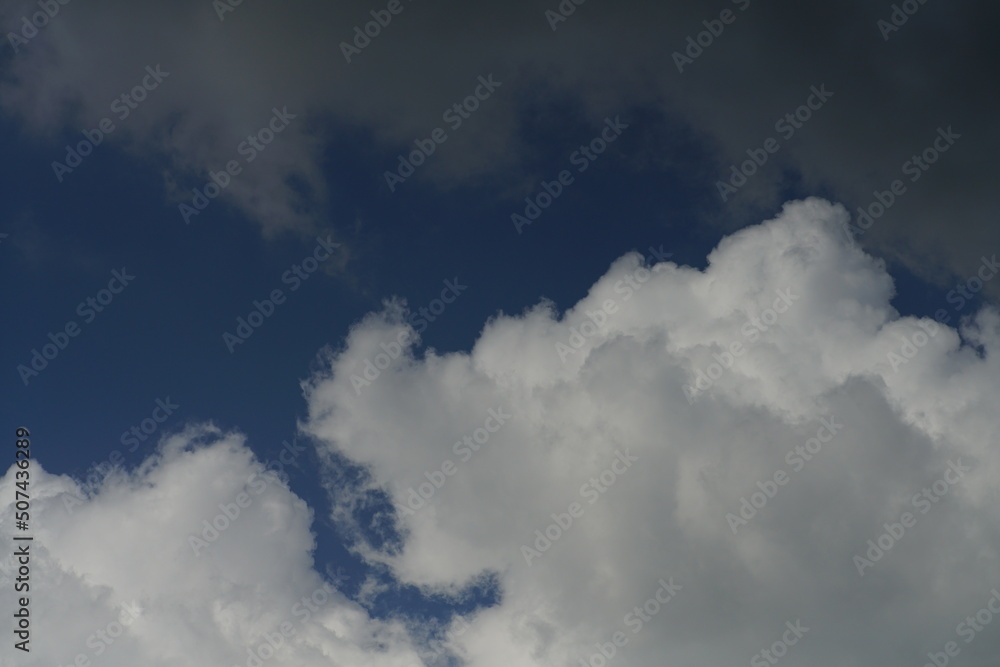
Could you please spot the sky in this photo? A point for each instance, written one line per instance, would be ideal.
(562, 334)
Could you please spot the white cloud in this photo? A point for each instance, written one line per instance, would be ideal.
(662, 519)
(827, 356)
(126, 547)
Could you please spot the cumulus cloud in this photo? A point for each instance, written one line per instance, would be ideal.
(624, 467)
(115, 578)
(633, 481)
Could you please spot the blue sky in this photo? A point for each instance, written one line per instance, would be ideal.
(651, 199)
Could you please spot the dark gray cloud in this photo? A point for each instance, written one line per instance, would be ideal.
(891, 95)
